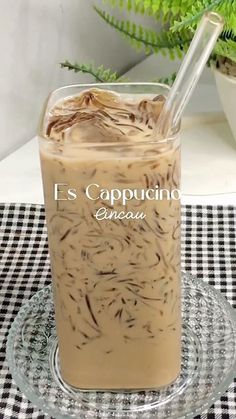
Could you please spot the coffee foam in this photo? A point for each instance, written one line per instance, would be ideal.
(102, 116)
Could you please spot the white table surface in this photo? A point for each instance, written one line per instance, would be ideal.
(204, 163)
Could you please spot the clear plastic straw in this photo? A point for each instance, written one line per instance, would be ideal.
(201, 47)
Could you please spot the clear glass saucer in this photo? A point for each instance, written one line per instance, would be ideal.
(208, 362)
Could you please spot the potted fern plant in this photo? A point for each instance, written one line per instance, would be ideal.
(179, 19)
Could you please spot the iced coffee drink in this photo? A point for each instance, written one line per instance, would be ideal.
(113, 217)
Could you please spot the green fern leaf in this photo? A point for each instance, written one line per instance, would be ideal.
(147, 4)
(192, 17)
(169, 80)
(142, 7)
(139, 37)
(130, 5)
(226, 49)
(169, 9)
(113, 3)
(228, 11)
(150, 7)
(231, 23)
(100, 74)
(155, 8)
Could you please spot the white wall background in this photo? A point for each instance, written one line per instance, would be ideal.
(35, 36)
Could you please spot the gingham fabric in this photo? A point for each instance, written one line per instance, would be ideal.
(208, 251)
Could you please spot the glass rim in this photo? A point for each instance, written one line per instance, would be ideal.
(46, 107)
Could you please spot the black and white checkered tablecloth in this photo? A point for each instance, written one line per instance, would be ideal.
(208, 251)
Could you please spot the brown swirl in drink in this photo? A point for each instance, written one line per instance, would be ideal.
(116, 280)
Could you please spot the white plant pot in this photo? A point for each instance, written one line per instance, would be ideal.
(227, 91)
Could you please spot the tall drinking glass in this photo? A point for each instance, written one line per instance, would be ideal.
(111, 189)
